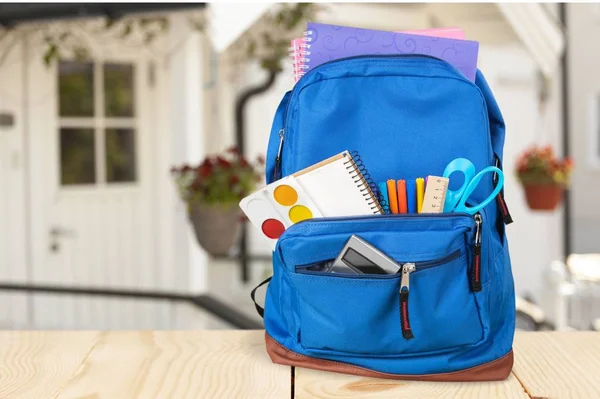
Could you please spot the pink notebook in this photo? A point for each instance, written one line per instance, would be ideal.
(298, 53)
(449, 38)
(449, 33)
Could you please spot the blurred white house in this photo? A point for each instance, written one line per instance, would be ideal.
(86, 146)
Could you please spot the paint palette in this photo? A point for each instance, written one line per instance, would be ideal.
(277, 206)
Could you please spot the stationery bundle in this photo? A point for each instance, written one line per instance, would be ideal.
(323, 42)
(410, 196)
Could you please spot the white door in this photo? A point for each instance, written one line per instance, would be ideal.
(93, 204)
(14, 262)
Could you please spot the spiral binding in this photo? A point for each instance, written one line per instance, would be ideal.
(363, 179)
(299, 51)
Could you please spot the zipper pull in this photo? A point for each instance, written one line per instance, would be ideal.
(476, 268)
(407, 269)
(506, 217)
(278, 157)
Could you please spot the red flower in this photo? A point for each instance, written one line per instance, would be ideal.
(568, 162)
(222, 162)
(195, 185)
(233, 150)
(208, 161)
(205, 170)
(233, 180)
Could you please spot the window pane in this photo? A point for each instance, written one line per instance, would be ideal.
(120, 155)
(76, 88)
(77, 157)
(118, 90)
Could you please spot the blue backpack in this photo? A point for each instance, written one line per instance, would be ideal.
(407, 116)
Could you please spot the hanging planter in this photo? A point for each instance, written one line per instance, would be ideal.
(543, 197)
(212, 191)
(216, 227)
(544, 177)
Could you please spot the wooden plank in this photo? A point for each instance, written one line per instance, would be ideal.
(194, 364)
(320, 384)
(558, 364)
(38, 364)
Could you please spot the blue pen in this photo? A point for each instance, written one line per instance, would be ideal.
(384, 194)
(411, 195)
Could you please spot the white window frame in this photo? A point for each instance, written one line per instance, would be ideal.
(99, 122)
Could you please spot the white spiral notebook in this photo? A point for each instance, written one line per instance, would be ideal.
(337, 186)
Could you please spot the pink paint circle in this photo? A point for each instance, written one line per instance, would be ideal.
(272, 228)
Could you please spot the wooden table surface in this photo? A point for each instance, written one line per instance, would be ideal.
(234, 364)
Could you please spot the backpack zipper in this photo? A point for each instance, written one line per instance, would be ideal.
(476, 267)
(506, 217)
(407, 269)
(363, 218)
(279, 151)
(422, 265)
(277, 170)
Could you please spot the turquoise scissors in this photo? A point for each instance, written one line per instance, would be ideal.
(456, 200)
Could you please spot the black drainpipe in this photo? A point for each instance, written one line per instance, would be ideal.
(240, 141)
(566, 149)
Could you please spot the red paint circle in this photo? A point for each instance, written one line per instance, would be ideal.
(273, 228)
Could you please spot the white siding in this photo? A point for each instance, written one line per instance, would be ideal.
(584, 64)
(14, 262)
(130, 237)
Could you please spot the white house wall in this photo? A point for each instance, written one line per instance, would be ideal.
(14, 262)
(185, 71)
(174, 79)
(584, 66)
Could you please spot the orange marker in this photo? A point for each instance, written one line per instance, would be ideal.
(393, 198)
(402, 204)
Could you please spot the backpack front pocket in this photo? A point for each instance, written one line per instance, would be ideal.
(429, 307)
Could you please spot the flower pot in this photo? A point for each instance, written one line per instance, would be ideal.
(216, 227)
(543, 197)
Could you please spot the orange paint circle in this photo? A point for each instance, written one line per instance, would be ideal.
(299, 213)
(285, 195)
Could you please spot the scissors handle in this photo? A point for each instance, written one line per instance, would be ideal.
(461, 206)
(467, 168)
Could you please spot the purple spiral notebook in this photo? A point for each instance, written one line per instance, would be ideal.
(331, 42)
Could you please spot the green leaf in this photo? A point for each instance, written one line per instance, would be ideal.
(51, 54)
(197, 24)
(251, 48)
(267, 38)
(109, 23)
(164, 23)
(149, 37)
(127, 29)
(81, 53)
